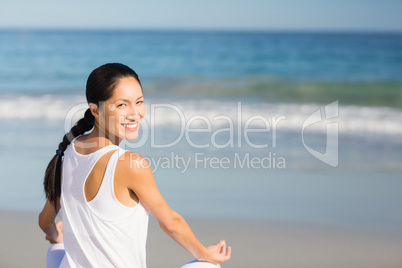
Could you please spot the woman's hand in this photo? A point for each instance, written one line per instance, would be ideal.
(53, 231)
(57, 236)
(218, 253)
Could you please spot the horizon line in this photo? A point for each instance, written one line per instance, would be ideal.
(177, 29)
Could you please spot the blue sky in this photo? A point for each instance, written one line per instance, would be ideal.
(350, 15)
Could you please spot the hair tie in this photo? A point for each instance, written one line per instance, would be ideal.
(59, 152)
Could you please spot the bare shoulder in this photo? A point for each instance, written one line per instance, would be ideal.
(134, 172)
(133, 163)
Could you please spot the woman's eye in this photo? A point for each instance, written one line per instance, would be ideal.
(140, 102)
(121, 105)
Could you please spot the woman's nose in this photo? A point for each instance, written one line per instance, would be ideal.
(133, 114)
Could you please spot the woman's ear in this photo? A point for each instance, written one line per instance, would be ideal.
(94, 110)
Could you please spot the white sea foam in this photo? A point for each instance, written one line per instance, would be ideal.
(196, 113)
(36, 107)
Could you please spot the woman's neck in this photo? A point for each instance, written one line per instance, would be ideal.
(104, 138)
(92, 142)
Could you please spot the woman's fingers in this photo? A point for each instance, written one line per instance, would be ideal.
(219, 252)
(228, 253)
(222, 246)
(224, 251)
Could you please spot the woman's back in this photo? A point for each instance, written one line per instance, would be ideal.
(99, 231)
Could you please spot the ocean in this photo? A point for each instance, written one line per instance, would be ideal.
(260, 126)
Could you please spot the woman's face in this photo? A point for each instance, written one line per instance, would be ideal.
(123, 112)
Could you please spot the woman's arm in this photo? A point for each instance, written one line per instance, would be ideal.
(142, 182)
(53, 231)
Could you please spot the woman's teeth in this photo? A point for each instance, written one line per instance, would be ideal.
(130, 126)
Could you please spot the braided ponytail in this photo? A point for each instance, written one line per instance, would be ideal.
(52, 181)
(100, 86)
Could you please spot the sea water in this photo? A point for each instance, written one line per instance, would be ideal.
(230, 129)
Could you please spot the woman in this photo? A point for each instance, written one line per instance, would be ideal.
(104, 192)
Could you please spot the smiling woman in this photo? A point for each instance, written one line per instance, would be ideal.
(105, 200)
(125, 110)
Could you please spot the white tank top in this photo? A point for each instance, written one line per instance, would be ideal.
(102, 232)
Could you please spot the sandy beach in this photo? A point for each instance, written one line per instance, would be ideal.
(255, 244)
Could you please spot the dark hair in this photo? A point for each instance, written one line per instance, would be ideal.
(100, 86)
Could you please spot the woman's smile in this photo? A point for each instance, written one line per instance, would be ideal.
(132, 126)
